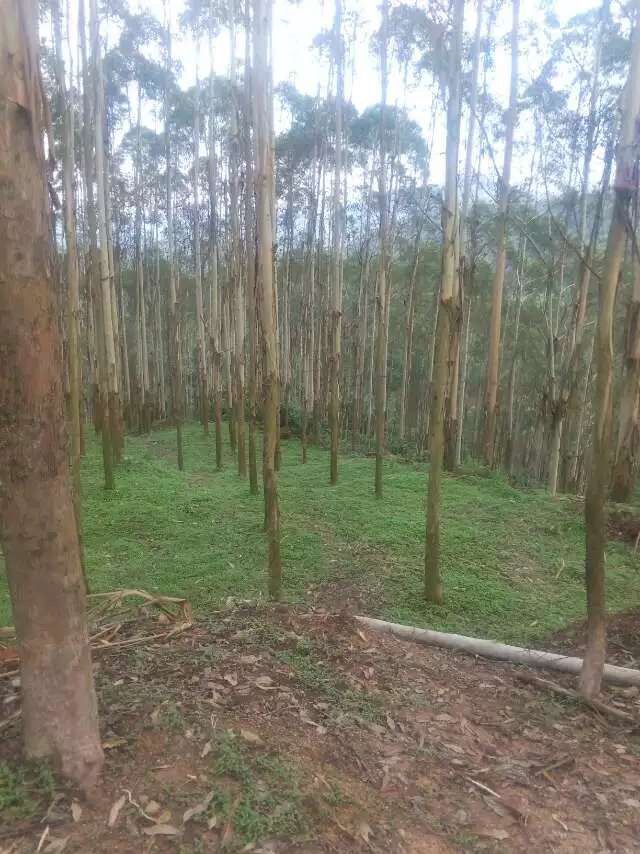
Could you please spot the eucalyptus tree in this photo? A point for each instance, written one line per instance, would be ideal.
(262, 91)
(174, 321)
(38, 533)
(380, 382)
(448, 306)
(337, 239)
(72, 267)
(625, 187)
(214, 286)
(493, 359)
(111, 422)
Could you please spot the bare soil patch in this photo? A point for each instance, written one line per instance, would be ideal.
(285, 730)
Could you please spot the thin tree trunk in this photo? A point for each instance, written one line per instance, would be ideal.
(380, 385)
(336, 267)
(493, 362)
(408, 338)
(262, 98)
(110, 421)
(595, 513)
(72, 271)
(237, 355)
(174, 344)
(628, 440)
(468, 262)
(448, 294)
(203, 380)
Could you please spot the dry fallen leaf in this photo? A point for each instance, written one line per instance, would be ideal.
(364, 831)
(161, 830)
(250, 737)
(114, 812)
(197, 809)
(152, 808)
(55, 846)
(206, 750)
(76, 810)
(231, 678)
(496, 834)
(112, 743)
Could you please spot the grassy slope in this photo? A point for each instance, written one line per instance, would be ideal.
(512, 559)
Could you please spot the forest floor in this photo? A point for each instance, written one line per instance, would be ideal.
(282, 729)
(291, 728)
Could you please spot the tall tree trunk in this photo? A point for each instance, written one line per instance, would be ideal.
(493, 362)
(628, 441)
(72, 270)
(380, 385)
(336, 267)
(408, 338)
(444, 330)
(38, 530)
(237, 355)
(144, 408)
(466, 238)
(626, 186)
(577, 362)
(214, 287)
(111, 416)
(576, 366)
(203, 380)
(264, 179)
(250, 258)
(174, 321)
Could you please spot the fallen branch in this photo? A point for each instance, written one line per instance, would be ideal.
(107, 616)
(503, 652)
(596, 705)
(8, 721)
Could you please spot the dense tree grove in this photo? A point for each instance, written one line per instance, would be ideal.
(241, 251)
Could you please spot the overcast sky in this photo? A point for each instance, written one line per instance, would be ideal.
(295, 59)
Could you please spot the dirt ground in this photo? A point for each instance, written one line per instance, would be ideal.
(275, 729)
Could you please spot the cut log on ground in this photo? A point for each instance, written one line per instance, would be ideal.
(501, 651)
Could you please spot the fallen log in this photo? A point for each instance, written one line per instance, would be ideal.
(501, 651)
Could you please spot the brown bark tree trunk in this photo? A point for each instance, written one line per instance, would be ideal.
(626, 186)
(336, 267)
(380, 384)
(237, 356)
(250, 261)
(493, 361)
(38, 526)
(174, 322)
(203, 381)
(628, 441)
(262, 97)
(448, 292)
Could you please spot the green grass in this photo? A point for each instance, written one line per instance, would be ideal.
(512, 559)
(268, 798)
(25, 790)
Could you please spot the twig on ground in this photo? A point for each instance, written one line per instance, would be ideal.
(595, 705)
(8, 721)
